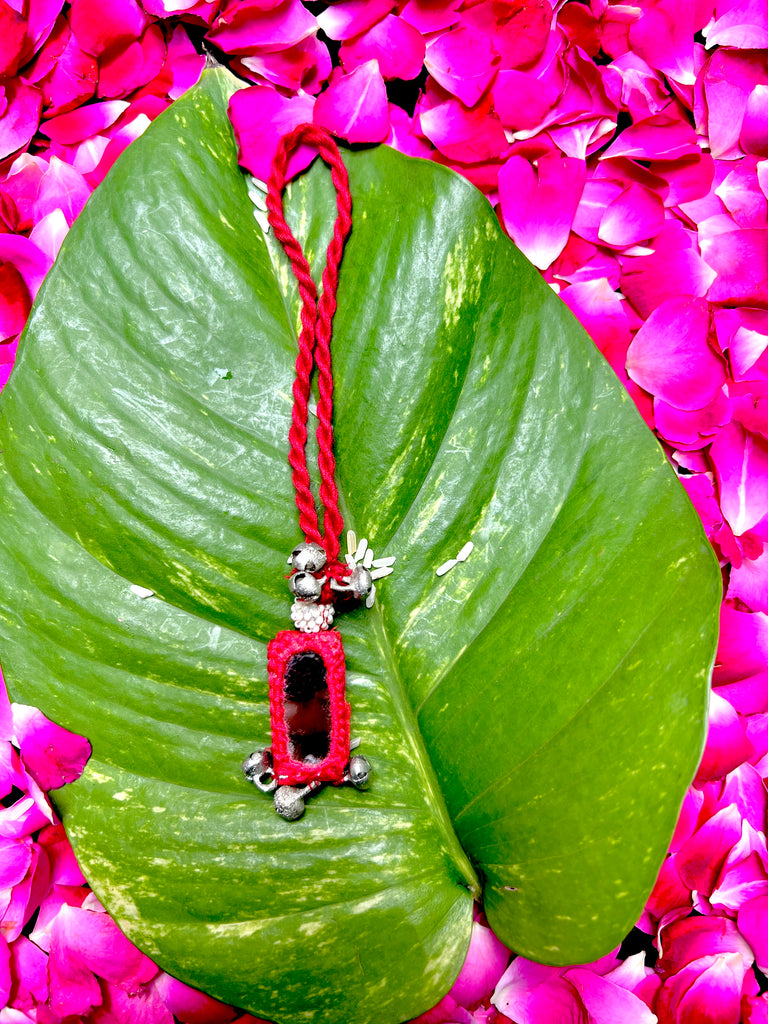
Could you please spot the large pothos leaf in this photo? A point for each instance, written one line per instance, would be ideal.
(537, 711)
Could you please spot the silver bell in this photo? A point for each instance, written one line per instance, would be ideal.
(308, 557)
(359, 771)
(289, 803)
(257, 768)
(361, 582)
(305, 587)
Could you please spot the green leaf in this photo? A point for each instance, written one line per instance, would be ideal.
(537, 711)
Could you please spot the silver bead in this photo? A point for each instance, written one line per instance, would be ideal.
(289, 803)
(359, 771)
(361, 582)
(305, 587)
(308, 557)
(257, 768)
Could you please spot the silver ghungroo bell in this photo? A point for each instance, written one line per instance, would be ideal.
(305, 587)
(308, 557)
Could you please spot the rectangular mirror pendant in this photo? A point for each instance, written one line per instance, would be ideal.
(308, 708)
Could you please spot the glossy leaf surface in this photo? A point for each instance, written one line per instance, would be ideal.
(540, 706)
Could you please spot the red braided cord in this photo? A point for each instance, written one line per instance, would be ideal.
(315, 337)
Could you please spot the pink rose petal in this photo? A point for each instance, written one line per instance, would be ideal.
(85, 940)
(740, 260)
(15, 302)
(729, 78)
(635, 87)
(538, 205)
(744, 25)
(20, 106)
(64, 867)
(53, 755)
(658, 138)
(669, 892)
(663, 36)
(79, 124)
(753, 137)
(402, 136)
(523, 99)
(250, 26)
(636, 214)
(709, 989)
(352, 17)
(689, 940)
(606, 1001)
(743, 645)
(25, 256)
(65, 73)
(740, 459)
(185, 63)
(744, 876)
(519, 28)
(727, 744)
(261, 116)
(743, 333)
(484, 965)
(138, 1005)
(530, 993)
(694, 429)
(354, 107)
(294, 67)
(688, 179)
(13, 30)
(700, 858)
(429, 16)
(396, 45)
(98, 28)
(128, 69)
(189, 1005)
(749, 582)
(49, 233)
(602, 314)
(674, 269)
(464, 62)
(670, 356)
(471, 136)
(753, 925)
(29, 973)
(742, 196)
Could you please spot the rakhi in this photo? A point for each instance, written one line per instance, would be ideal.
(309, 713)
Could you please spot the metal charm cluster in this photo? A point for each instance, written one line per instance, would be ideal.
(290, 800)
(311, 610)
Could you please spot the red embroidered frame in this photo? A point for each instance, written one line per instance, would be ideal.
(290, 771)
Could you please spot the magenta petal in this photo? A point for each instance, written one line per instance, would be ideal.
(716, 992)
(29, 969)
(669, 891)
(637, 214)
(729, 77)
(293, 67)
(657, 138)
(670, 355)
(189, 1005)
(700, 858)
(743, 25)
(184, 62)
(13, 29)
(49, 233)
(15, 859)
(95, 942)
(690, 939)
(742, 196)
(355, 106)
(555, 1000)
(519, 29)
(754, 127)
(141, 1004)
(538, 205)
(727, 744)
(470, 136)
(606, 1001)
(753, 925)
(749, 582)
(99, 27)
(598, 194)
(20, 106)
(740, 260)
(261, 116)
(402, 137)
(675, 268)
(463, 62)
(25, 256)
(15, 302)
(53, 755)
(522, 100)
(740, 459)
(486, 961)
(85, 121)
(663, 36)
(395, 44)
(743, 644)
(692, 429)
(61, 188)
(250, 26)
(429, 16)
(352, 17)
(137, 64)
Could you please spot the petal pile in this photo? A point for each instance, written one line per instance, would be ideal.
(625, 149)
